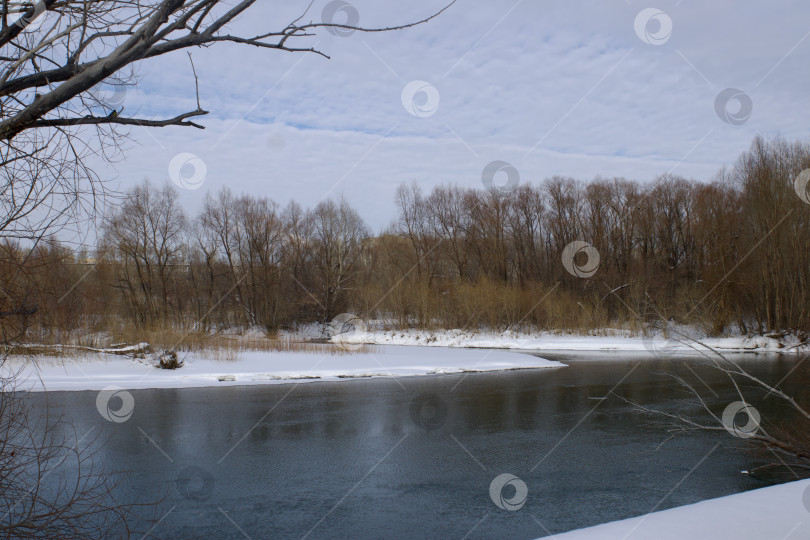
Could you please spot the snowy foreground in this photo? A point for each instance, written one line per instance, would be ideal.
(96, 372)
(773, 513)
(684, 340)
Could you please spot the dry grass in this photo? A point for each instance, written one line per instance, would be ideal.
(74, 352)
(219, 347)
(228, 348)
(489, 304)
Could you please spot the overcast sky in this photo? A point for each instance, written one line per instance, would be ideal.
(575, 88)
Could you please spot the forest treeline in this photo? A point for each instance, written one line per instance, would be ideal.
(732, 254)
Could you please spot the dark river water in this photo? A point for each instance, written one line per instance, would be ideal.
(415, 457)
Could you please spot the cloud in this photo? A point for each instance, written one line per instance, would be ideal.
(571, 81)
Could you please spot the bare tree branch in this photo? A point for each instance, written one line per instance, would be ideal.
(179, 120)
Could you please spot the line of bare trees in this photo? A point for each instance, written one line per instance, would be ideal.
(731, 254)
(243, 261)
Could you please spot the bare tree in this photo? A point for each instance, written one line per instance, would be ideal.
(449, 218)
(297, 252)
(563, 214)
(258, 237)
(779, 272)
(338, 234)
(414, 225)
(524, 225)
(145, 236)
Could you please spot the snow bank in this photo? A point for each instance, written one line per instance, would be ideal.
(772, 513)
(611, 340)
(260, 367)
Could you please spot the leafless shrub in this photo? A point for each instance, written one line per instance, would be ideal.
(51, 486)
(783, 438)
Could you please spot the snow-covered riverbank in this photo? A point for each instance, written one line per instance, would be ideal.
(263, 367)
(686, 340)
(773, 513)
(424, 353)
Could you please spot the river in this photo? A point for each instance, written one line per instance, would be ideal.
(415, 457)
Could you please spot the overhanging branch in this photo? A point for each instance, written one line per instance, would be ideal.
(179, 120)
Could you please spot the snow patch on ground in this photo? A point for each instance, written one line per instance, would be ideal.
(262, 367)
(771, 513)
